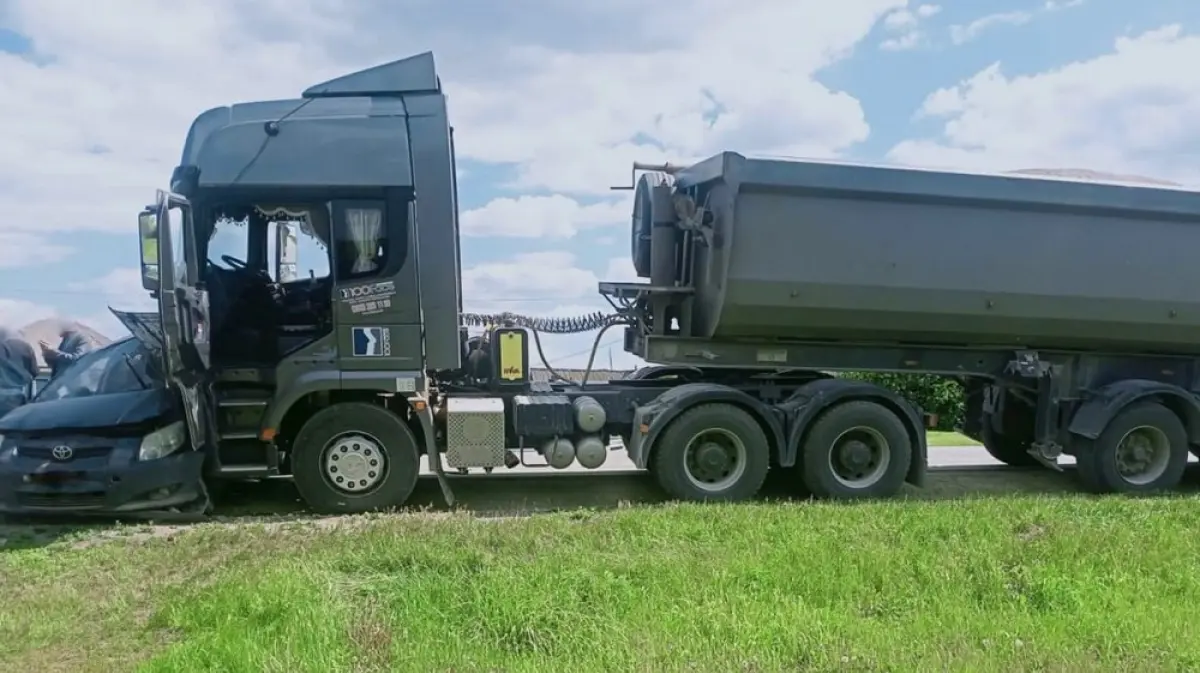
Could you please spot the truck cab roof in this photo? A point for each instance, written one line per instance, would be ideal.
(355, 124)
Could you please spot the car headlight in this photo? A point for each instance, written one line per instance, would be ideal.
(162, 442)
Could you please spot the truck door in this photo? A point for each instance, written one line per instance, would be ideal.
(183, 310)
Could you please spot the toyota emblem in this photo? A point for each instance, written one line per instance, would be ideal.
(62, 452)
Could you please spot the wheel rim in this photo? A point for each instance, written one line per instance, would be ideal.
(859, 457)
(714, 460)
(354, 462)
(1143, 455)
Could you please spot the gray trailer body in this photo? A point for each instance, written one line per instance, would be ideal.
(801, 250)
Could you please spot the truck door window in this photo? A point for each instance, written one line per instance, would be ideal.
(360, 239)
(295, 252)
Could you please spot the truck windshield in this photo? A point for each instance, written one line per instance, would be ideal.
(123, 367)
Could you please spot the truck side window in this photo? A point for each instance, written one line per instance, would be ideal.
(360, 239)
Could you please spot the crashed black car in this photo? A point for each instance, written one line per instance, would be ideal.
(105, 436)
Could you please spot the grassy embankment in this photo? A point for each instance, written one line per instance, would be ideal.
(935, 438)
(984, 584)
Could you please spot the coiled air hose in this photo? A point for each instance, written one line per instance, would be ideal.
(552, 325)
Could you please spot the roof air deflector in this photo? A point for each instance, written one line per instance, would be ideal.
(415, 74)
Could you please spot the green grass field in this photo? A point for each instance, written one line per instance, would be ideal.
(935, 438)
(1009, 584)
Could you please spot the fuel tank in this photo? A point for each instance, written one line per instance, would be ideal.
(775, 249)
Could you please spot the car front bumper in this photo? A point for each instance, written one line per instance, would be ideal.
(103, 477)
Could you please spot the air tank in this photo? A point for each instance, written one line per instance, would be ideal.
(559, 453)
(773, 249)
(589, 414)
(591, 452)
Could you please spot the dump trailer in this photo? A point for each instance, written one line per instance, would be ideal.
(1048, 299)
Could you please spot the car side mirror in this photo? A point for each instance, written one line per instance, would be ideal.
(148, 239)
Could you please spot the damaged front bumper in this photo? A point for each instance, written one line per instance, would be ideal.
(97, 476)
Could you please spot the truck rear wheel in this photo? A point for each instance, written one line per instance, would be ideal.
(355, 457)
(854, 450)
(713, 452)
(1143, 449)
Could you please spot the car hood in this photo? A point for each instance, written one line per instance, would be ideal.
(81, 413)
(146, 327)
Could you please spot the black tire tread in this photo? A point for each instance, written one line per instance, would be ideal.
(815, 472)
(403, 457)
(1095, 460)
(667, 454)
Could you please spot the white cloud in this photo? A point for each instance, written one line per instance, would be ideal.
(554, 217)
(17, 313)
(121, 288)
(905, 42)
(904, 26)
(565, 95)
(1129, 111)
(960, 34)
(528, 278)
(22, 249)
(965, 33)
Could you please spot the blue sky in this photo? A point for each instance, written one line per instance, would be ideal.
(552, 102)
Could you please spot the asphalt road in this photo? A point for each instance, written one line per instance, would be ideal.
(939, 456)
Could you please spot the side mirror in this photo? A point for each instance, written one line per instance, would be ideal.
(148, 238)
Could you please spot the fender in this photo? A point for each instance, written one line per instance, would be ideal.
(811, 399)
(1095, 414)
(320, 380)
(656, 415)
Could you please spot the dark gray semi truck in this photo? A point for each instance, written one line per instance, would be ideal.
(1068, 310)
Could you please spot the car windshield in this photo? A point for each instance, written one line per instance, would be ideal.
(123, 367)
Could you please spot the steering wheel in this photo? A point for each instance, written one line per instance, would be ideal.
(234, 263)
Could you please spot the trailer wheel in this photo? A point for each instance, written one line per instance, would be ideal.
(355, 457)
(713, 452)
(854, 450)
(1143, 449)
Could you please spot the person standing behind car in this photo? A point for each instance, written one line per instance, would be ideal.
(18, 369)
(70, 348)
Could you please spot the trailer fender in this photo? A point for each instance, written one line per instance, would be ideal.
(1094, 415)
(659, 413)
(811, 399)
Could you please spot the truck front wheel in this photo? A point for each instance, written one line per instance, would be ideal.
(1143, 449)
(857, 449)
(355, 457)
(713, 452)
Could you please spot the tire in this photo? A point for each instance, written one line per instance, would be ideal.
(1008, 450)
(730, 428)
(377, 429)
(1097, 464)
(880, 428)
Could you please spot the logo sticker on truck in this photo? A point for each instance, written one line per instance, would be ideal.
(369, 299)
(371, 342)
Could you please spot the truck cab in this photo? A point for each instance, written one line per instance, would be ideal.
(257, 345)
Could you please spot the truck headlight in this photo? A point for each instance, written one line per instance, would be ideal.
(162, 442)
